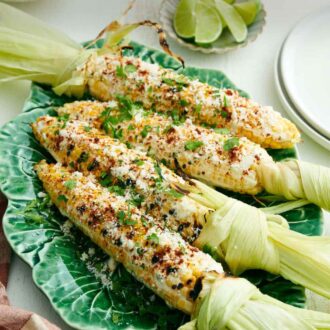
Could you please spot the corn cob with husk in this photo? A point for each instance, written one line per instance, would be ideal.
(70, 69)
(183, 276)
(219, 159)
(242, 235)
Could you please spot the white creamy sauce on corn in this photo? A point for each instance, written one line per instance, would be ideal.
(153, 181)
(159, 258)
(233, 168)
(165, 89)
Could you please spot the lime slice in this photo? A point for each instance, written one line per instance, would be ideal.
(184, 19)
(235, 22)
(229, 1)
(248, 10)
(208, 22)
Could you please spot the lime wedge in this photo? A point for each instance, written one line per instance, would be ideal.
(229, 1)
(248, 10)
(235, 22)
(184, 19)
(208, 22)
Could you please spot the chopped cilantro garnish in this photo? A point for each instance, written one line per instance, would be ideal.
(83, 157)
(231, 143)
(71, 164)
(130, 127)
(164, 162)
(167, 129)
(146, 130)
(37, 210)
(153, 238)
(183, 103)
(70, 184)
(198, 108)
(168, 81)
(125, 103)
(120, 72)
(117, 190)
(137, 200)
(174, 193)
(62, 198)
(64, 118)
(222, 130)
(139, 251)
(94, 164)
(158, 170)
(117, 133)
(138, 162)
(177, 119)
(179, 84)
(105, 179)
(224, 114)
(129, 68)
(121, 216)
(144, 221)
(87, 128)
(193, 145)
(159, 180)
(225, 103)
(124, 218)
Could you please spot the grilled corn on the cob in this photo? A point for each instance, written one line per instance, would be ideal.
(167, 91)
(234, 226)
(183, 276)
(73, 70)
(219, 159)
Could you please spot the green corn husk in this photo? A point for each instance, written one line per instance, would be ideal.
(235, 304)
(29, 49)
(304, 260)
(295, 179)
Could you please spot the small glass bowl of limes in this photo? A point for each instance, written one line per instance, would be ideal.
(213, 26)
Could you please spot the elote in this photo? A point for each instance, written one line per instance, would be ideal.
(221, 160)
(183, 276)
(204, 217)
(73, 70)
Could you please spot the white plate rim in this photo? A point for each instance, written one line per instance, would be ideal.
(287, 84)
(291, 109)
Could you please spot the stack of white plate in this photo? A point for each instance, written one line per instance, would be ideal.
(302, 74)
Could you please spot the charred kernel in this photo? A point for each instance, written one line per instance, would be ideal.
(69, 150)
(171, 211)
(104, 232)
(193, 294)
(93, 165)
(128, 182)
(83, 157)
(189, 281)
(118, 242)
(155, 259)
(170, 270)
(81, 208)
(152, 206)
(174, 287)
(180, 228)
(179, 286)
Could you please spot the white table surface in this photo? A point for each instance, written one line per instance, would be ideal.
(251, 68)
